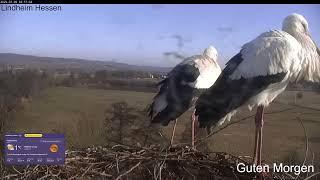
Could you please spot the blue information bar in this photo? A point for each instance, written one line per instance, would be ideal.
(34, 148)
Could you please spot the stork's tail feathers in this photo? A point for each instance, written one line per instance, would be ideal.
(227, 117)
(217, 105)
(150, 110)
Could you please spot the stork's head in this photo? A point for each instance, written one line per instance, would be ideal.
(211, 52)
(295, 23)
(297, 26)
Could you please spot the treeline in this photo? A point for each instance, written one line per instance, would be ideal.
(103, 79)
(104, 74)
(137, 81)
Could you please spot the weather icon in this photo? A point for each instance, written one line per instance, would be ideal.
(10, 147)
(54, 148)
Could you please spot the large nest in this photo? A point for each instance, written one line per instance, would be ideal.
(153, 162)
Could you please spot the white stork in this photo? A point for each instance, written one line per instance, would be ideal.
(259, 73)
(177, 92)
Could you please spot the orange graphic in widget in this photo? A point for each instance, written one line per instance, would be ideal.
(54, 148)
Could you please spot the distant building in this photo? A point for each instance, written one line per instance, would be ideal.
(163, 76)
(61, 74)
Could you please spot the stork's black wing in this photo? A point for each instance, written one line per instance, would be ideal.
(227, 94)
(178, 93)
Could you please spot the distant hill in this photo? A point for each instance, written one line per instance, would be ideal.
(28, 61)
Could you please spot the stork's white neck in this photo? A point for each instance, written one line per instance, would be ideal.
(310, 59)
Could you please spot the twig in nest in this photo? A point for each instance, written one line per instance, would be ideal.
(10, 175)
(161, 166)
(117, 163)
(85, 172)
(313, 175)
(193, 176)
(16, 170)
(306, 146)
(312, 161)
(103, 174)
(127, 172)
(44, 177)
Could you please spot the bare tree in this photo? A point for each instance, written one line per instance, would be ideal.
(121, 115)
(128, 125)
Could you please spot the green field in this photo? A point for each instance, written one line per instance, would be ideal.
(80, 114)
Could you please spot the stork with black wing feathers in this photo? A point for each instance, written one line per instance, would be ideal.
(178, 91)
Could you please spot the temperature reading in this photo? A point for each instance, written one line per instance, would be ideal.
(12, 147)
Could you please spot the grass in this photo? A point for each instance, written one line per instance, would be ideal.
(80, 114)
(77, 112)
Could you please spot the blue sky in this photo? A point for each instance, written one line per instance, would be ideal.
(140, 34)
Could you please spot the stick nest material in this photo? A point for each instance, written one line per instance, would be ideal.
(152, 162)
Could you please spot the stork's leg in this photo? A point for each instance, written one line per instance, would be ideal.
(258, 135)
(260, 144)
(173, 131)
(193, 121)
(258, 139)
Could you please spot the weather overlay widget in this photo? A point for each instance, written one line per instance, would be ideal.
(43, 149)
